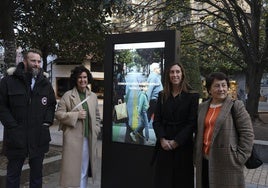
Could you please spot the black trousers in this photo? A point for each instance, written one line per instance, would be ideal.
(205, 181)
(14, 168)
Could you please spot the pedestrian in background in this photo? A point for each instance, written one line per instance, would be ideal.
(222, 146)
(143, 105)
(174, 124)
(119, 84)
(27, 107)
(154, 87)
(79, 119)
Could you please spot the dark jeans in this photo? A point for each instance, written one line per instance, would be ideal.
(205, 181)
(151, 109)
(14, 168)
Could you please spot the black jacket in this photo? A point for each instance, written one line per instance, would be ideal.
(175, 119)
(24, 111)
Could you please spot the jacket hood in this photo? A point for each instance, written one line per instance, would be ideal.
(20, 69)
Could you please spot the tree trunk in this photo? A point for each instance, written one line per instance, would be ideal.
(44, 54)
(8, 33)
(253, 80)
(10, 52)
(44, 62)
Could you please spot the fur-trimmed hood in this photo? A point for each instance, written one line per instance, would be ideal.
(12, 70)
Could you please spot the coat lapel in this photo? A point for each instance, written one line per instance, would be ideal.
(75, 99)
(225, 110)
(90, 103)
(203, 108)
(202, 116)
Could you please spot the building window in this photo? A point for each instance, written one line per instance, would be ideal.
(62, 85)
(98, 88)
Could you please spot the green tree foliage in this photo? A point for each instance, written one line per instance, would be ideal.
(219, 54)
(177, 16)
(230, 35)
(124, 57)
(149, 56)
(238, 29)
(190, 58)
(7, 33)
(69, 29)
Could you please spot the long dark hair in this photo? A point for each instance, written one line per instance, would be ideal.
(75, 73)
(184, 85)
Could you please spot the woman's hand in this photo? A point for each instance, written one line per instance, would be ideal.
(173, 144)
(168, 144)
(82, 114)
(165, 144)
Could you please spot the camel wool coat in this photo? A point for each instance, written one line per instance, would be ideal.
(73, 134)
(228, 151)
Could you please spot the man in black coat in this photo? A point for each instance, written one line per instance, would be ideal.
(27, 106)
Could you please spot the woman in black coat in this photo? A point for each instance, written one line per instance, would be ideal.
(174, 125)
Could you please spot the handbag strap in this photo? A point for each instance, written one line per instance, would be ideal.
(233, 115)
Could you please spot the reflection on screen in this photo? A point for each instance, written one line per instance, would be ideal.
(136, 83)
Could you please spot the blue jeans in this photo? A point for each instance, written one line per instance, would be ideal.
(143, 123)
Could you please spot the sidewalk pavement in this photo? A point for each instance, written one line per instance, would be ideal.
(255, 178)
(52, 180)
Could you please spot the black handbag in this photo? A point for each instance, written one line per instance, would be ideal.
(254, 160)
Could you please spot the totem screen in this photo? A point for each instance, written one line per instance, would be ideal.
(137, 79)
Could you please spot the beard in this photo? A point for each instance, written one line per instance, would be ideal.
(35, 72)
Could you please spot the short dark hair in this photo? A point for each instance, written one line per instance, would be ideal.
(76, 72)
(33, 50)
(213, 76)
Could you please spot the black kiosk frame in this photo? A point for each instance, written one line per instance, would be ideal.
(125, 164)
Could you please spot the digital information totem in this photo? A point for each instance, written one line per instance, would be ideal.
(134, 71)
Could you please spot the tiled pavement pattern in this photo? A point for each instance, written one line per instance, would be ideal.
(257, 178)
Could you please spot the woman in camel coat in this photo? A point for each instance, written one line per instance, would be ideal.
(80, 125)
(222, 147)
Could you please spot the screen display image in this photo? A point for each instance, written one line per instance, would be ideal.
(136, 83)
